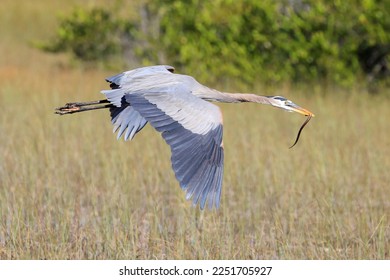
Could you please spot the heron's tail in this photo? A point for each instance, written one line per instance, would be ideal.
(76, 107)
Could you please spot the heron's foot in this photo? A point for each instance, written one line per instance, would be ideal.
(69, 108)
(75, 107)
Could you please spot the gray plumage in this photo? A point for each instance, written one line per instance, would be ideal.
(191, 126)
(177, 106)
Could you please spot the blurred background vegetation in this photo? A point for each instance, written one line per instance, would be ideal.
(69, 190)
(226, 41)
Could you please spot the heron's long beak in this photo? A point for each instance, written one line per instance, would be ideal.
(295, 108)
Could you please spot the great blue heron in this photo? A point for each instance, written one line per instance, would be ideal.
(176, 106)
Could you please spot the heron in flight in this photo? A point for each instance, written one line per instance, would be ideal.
(176, 105)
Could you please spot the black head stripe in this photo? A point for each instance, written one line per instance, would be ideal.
(281, 98)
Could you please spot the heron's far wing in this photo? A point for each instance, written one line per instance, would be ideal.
(123, 116)
(193, 129)
(127, 119)
(119, 82)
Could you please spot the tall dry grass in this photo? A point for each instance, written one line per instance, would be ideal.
(69, 190)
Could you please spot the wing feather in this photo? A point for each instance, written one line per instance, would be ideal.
(127, 119)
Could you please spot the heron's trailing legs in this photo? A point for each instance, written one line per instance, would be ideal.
(76, 107)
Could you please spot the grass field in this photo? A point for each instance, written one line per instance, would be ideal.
(69, 190)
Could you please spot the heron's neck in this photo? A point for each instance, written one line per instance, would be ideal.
(249, 97)
(218, 96)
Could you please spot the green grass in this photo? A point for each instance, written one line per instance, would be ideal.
(69, 190)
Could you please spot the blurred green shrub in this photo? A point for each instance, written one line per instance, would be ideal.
(249, 40)
(89, 35)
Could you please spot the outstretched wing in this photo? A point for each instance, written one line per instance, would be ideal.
(191, 126)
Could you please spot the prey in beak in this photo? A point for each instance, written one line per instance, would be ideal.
(288, 105)
(295, 108)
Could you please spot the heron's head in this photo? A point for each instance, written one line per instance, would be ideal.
(288, 105)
